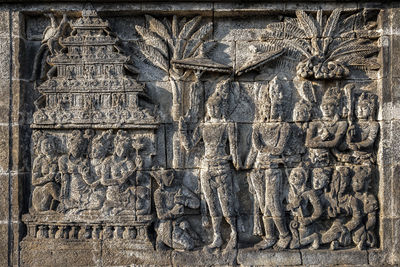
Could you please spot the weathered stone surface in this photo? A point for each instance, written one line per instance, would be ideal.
(199, 134)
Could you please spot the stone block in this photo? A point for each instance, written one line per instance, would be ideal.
(4, 148)
(4, 244)
(5, 23)
(203, 258)
(4, 197)
(268, 257)
(328, 257)
(395, 46)
(58, 253)
(117, 253)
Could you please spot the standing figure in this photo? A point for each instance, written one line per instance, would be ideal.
(216, 176)
(270, 136)
(306, 209)
(45, 176)
(327, 134)
(362, 135)
(172, 229)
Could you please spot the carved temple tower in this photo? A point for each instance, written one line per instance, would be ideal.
(88, 85)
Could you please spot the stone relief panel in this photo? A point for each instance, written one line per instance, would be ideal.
(277, 151)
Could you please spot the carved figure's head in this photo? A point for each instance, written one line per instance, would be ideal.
(165, 177)
(301, 112)
(366, 106)
(101, 145)
(298, 176)
(361, 178)
(217, 104)
(47, 146)
(142, 199)
(320, 178)
(121, 144)
(77, 144)
(330, 102)
(344, 178)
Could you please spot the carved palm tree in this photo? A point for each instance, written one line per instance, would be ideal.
(166, 42)
(330, 45)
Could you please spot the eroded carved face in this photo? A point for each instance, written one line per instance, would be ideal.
(121, 149)
(320, 179)
(297, 177)
(328, 109)
(77, 145)
(363, 111)
(275, 91)
(98, 151)
(48, 147)
(358, 182)
(301, 113)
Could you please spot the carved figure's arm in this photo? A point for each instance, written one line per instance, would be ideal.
(126, 172)
(37, 176)
(341, 130)
(163, 213)
(191, 199)
(258, 144)
(317, 207)
(106, 177)
(370, 140)
(283, 138)
(189, 142)
(232, 137)
(356, 216)
(311, 140)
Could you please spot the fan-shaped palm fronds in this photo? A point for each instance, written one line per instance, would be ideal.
(172, 40)
(328, 46)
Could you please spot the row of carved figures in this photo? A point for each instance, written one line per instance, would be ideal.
(107, 179)
(339, 154)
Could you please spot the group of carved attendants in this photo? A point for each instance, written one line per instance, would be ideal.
(98, 175)
(309, 170)
(333, 162)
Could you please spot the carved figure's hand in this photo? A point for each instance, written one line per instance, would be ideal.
(95, 184)
(57, 178)
(205, 222)
(182, 125)
(177, 209)
(353, 146)
(305, 221)
(331, 212)
(179, 199)
(139, 162)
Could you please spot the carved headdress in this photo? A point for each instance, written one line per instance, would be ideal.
(332, 95)
(369, 100)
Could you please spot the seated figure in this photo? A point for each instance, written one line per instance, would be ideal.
(173, 230)
(45, 177)
(305, 208)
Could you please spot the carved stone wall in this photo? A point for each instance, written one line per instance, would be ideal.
(210, 133)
